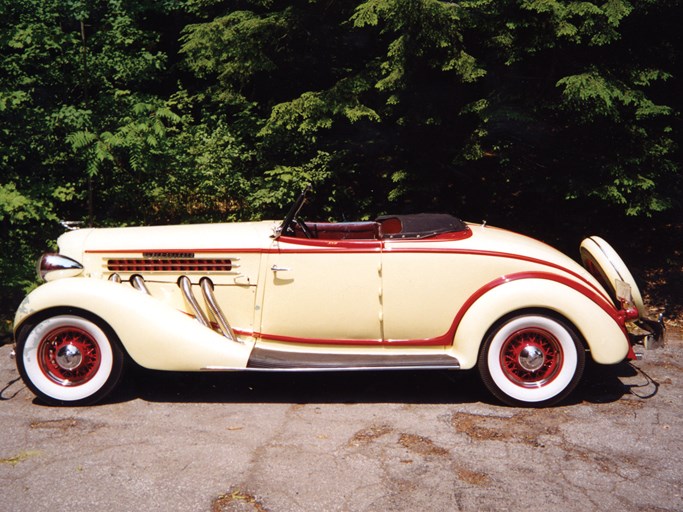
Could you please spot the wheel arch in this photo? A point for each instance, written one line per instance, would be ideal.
(592, 321)
(90, 367)
(152, 334)
(35, 318)
(543, 311)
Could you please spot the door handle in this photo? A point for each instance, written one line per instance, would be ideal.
(276, 268)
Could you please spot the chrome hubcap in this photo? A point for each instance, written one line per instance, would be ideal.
(531, 358)
(69, 357)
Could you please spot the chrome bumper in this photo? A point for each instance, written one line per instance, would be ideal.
(653, 335)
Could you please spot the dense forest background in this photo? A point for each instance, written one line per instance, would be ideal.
(556, 118)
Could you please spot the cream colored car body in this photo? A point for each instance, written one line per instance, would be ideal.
(401, 292)
(334, 297)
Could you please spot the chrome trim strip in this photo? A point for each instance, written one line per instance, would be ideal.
(186, 287)
(210, 299)
(328, 369)
(265, 359)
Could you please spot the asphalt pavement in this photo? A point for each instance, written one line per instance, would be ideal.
(379, 441)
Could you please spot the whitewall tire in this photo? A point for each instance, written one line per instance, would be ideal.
(531, 360)
(69, 360)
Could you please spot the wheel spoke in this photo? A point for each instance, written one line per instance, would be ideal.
(69, 356)
(531, 357)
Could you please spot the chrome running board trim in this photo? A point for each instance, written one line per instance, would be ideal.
(327, 369)
(265, 359)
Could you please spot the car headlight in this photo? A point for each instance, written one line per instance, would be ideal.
(53, 266)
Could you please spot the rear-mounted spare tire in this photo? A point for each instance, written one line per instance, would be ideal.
(603, 262)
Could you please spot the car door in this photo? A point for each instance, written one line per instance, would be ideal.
(424, 285)
(322, 291)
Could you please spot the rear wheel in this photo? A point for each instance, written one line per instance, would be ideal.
(69, 360)
(531, 360)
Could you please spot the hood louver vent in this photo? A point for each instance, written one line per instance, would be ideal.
(169, 265)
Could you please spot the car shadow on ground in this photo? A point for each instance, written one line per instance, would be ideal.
(601, 384)
(429, 387)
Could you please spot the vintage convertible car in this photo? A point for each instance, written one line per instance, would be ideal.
(423, 291)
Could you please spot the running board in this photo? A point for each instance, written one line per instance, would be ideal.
(264, 359)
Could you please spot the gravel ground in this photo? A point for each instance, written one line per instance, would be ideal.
(379, 441)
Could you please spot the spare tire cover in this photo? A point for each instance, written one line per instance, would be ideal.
(606, 266)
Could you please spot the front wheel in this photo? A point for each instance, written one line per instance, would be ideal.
(531, 360)
(69, 360)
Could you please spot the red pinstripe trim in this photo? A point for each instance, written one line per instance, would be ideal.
(331, 247)
(446, 339)
(176, 251)
(351, 245)
(356, 247)
(595, 297)
(496, 254)
(318, 341)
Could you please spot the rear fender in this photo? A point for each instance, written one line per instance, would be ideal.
(154, 335)
(591, 317)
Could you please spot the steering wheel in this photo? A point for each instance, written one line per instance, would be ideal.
(304, 228)
(287, 226)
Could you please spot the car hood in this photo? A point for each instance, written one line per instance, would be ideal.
(186, 237)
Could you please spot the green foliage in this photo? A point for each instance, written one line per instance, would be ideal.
(58, 78)
(244, 41)
(577, 116)
(122, 111)
(593, 95)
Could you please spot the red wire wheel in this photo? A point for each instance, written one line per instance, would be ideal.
(531, 360)
(67, 359)
(531, 357)
(69, 356)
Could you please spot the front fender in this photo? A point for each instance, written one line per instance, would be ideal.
(587, 311)
(155, 335)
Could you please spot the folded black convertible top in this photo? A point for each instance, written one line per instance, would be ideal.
(421, 225)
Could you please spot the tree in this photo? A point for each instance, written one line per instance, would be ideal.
(523, 112)
(69, 71)
(576, 117)
(436, 105)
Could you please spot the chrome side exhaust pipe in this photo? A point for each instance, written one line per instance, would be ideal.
(186, 287)
(211, 303)
(139, 284)
(207, 291)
